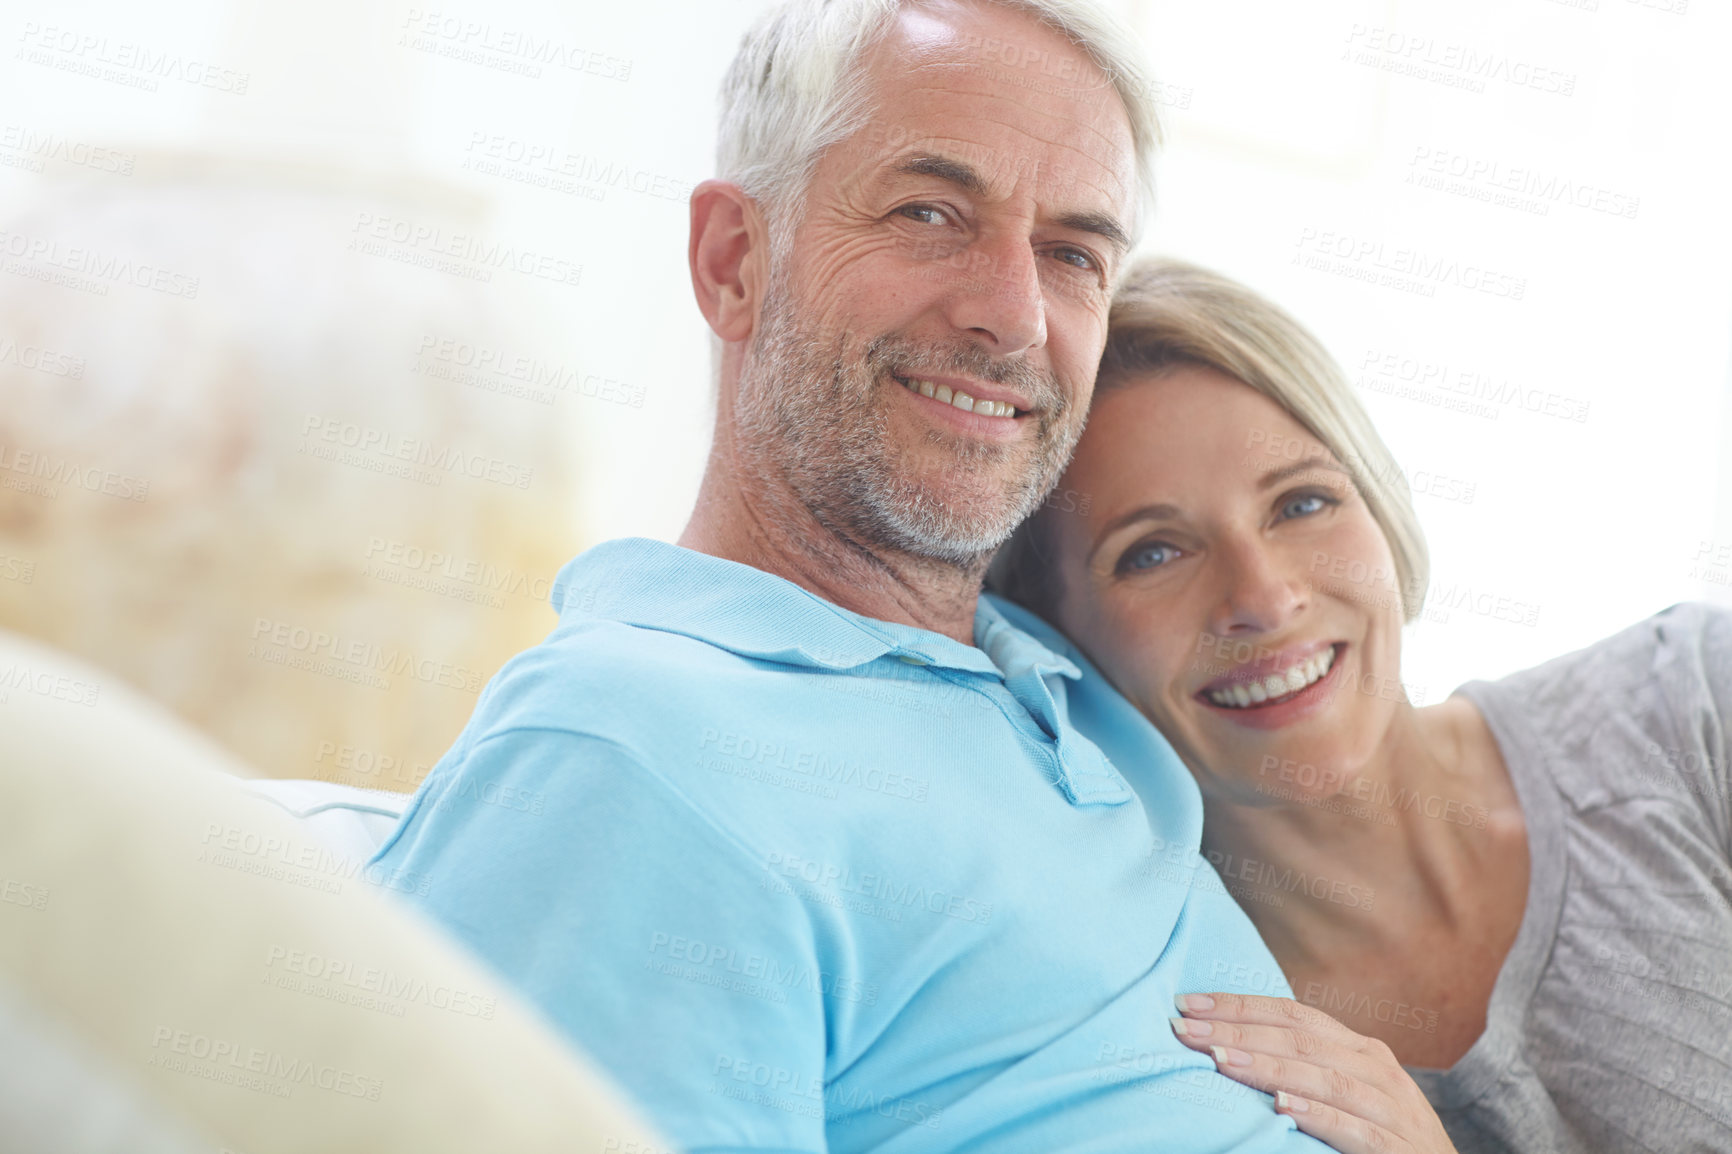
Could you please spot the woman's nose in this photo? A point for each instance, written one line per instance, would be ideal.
(1260, 591)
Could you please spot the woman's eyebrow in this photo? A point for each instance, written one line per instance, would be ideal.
(1144, 513)
(1315, 461)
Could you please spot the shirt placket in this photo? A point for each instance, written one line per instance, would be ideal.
(1080, 770)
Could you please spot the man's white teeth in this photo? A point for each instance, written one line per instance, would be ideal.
(960, 399)
(1276, 684)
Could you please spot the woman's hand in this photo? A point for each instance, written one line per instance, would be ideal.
(1338, 1086)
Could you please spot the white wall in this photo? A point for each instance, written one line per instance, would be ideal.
(1300, 135)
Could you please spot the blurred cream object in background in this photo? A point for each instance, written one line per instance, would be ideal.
(262, 497)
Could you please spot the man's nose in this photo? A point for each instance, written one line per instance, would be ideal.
(1260, 592)
(997, 296)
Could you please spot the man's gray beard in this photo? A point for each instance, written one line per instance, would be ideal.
(819, 419)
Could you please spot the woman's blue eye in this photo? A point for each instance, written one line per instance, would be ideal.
(1304, 506)
(1149, 556)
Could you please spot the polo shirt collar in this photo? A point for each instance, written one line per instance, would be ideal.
(655, 585)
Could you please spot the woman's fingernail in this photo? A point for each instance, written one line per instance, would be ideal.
(1185, 1028)
(1227, 1056)
(1194, 1003)
(1286, 1101)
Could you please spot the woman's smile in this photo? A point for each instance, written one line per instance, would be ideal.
(1286, 686)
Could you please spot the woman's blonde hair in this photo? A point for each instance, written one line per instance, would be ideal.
(1168, 313)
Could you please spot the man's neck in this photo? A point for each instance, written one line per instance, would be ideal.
(757, 522)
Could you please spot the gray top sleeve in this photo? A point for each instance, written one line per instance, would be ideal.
(1610, 1025)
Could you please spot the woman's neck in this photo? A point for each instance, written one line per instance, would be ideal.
(1397, 860)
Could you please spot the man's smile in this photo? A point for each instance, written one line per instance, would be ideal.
(969, 398)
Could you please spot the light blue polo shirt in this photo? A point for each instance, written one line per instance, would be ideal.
(803, 880)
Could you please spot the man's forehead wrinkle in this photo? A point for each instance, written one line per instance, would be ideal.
(1111, 155)
(1070, 120)
(932, 78)
(1092, 174)
(1062, 141)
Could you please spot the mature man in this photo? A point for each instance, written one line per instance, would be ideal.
(785, 825)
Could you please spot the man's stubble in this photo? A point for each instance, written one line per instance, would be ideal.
(815, 412)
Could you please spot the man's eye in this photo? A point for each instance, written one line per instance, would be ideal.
(1076, 258)
(1142, 558)
(924, 213)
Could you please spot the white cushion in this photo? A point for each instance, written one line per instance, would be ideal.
(351, 820)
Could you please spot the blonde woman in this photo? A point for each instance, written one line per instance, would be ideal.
(1521, 894)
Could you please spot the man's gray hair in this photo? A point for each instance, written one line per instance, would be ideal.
(797, 86)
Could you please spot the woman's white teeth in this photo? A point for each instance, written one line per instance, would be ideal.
(1276, 684)
(960, 399)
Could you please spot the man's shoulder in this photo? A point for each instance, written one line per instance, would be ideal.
(601, 714)
(594, 675)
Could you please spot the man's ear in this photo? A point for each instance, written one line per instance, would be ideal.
(729, 255)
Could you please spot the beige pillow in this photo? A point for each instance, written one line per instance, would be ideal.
(249, 983)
